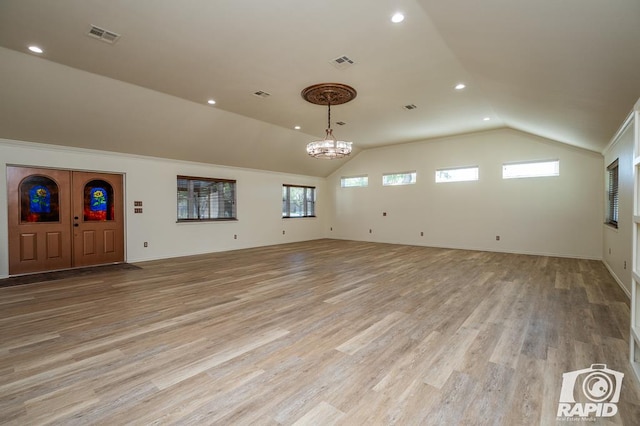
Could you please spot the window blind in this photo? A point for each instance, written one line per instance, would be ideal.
(612, 216)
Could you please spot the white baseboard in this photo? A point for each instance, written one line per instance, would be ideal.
(615, 277)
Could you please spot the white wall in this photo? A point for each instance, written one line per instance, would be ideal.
(559, 216)
(153, 181)
(618, 243)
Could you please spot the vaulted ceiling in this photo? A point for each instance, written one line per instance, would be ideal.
(567, 70)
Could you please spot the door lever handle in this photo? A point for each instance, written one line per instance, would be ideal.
(76, 225)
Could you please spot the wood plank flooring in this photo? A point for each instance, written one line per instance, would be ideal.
(315, 333)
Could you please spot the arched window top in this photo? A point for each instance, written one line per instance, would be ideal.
(39, 199)
(98, 201)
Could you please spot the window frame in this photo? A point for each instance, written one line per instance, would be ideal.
(613, 194)
(234, 195)
(413, 173)
(521, 163)
(286, 201)
(476, 168)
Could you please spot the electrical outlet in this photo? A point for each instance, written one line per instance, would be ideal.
(421, 234)
(283, 232)
(625, 264)
(370, 231)
(146, 244)
(331, 229)
(497, 237)
(235, 236)
(609, 250)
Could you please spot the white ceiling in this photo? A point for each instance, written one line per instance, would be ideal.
(567, 70)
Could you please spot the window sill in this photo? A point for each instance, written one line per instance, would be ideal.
(299, 217)
(611, 227)
(206, 220)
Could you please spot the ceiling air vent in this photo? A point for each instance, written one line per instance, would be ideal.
(342, 62)
(102, 34)
(409, 107)
(262, 94)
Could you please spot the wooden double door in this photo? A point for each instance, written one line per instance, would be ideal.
(61, 219)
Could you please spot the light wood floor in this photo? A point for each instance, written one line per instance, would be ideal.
(323, 332)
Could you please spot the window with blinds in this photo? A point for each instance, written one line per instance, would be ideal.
(206, 199)
(612, 192)
(298, 201)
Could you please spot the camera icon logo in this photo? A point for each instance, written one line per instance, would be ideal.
(592, 391)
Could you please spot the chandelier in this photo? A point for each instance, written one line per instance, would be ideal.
(329, 94)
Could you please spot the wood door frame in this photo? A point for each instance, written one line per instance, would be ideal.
(45, 169)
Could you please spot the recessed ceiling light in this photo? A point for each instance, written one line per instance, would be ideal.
(460, 86)
(35, 49)
(297, 127)
(487, 118)
(211, 102)
(397, 18)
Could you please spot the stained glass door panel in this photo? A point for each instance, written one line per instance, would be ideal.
(39, 200)
(98, 201)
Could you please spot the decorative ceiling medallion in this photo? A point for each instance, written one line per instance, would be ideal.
(329, 94)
